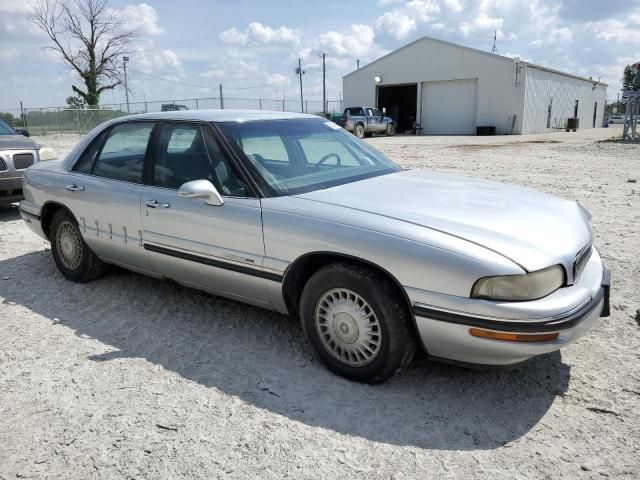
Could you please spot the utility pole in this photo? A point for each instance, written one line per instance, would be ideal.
(324, 86)
(300, 72)
(126, 87)
(221, 99)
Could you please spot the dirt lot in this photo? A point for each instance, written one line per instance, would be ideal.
(130, 377)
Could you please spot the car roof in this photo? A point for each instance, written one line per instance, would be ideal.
(216, 115)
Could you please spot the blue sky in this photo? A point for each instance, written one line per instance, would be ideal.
(246, 43)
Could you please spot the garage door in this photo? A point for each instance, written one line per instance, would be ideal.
(449, 107)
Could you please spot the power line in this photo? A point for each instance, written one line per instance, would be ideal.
(204, 86)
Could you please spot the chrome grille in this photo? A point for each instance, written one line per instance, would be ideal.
(581, 261)
(3, 165)
(22, 160)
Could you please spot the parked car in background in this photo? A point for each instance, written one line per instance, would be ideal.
(290, 212)
(613, 119)
(172, 107)
(17, 152)
(365, 121)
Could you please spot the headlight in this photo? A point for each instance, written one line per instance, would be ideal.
(47, 153)
(530, 286)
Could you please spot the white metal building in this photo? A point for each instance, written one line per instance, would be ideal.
(452, 89)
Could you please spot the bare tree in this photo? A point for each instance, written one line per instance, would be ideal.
(91, 39)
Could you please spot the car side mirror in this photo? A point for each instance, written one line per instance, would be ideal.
(201, 189)
(24, 132)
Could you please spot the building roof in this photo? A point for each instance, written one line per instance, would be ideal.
(474, 50)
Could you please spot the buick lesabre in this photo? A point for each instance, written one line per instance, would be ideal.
(289, 212)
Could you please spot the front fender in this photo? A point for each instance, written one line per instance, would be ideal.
(417, 257)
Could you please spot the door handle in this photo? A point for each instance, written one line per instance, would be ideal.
(74, 188)
(155, 204)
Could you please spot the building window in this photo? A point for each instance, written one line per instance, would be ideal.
(549, 107)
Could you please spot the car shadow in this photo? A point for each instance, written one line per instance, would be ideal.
(9, 212)
(262, 358)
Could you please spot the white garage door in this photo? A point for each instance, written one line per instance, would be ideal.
(449, 107)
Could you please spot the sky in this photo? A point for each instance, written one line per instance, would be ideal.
(186, 48)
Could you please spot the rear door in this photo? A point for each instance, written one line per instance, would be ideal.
(216, 248)
(103, 192)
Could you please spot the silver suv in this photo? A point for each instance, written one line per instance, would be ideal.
(17, 153)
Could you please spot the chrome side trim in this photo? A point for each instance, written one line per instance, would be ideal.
(215, 262)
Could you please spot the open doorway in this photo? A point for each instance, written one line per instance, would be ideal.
(400, 102)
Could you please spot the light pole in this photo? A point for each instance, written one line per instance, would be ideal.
(300, 72)
(126, 88)
(324, 86)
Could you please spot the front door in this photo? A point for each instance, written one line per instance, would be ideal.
(103, 193)
(215, 248)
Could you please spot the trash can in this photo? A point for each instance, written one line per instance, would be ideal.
(572, 123)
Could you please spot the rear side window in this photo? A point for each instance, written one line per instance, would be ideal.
(123, 153)
(88, 157)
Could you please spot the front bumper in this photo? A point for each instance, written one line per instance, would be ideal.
(445, 333)
(10, 188)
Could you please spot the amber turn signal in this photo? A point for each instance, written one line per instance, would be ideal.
(513, 337)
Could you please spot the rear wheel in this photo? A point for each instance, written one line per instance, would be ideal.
(74, 258)
(391, 130)
(359, 130)
(356, 323)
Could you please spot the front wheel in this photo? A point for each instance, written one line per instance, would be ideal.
(72, 255)
(356, 323)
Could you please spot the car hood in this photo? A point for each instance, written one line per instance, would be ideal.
(533, 229)
(17, 142)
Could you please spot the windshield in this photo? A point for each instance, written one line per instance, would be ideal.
(300, 155)
(6, 129)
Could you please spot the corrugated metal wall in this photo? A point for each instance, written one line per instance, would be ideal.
(550, 99)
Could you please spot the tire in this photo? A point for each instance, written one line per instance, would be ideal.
(326, 300)
(358, 131)
(391, 130)
(74, 258)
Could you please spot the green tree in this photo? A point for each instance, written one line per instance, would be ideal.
(9, 118)
(629, 78)
(91, 39)
(75, 102)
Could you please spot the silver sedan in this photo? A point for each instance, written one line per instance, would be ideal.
(291, 213)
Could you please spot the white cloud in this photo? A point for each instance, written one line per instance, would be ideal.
(396, 23)
(454, 5)
(258, 34)
(14, 6)
(8, 53)
(401, 22)
(422, 10)
(357, 41)
(143, 17)
(616, 31)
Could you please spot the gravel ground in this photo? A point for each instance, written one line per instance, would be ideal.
(129, 377)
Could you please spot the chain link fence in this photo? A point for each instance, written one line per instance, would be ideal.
(60, 120)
